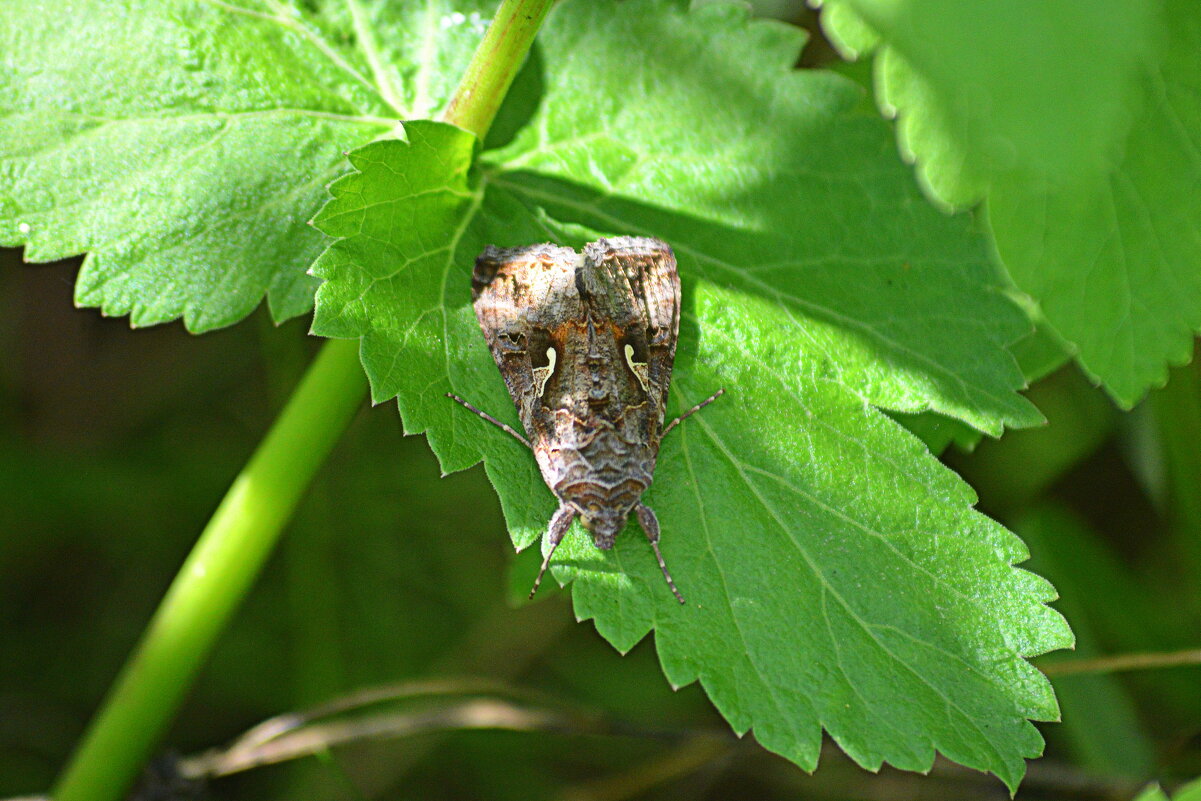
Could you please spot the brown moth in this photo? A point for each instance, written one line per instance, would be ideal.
(585, 343)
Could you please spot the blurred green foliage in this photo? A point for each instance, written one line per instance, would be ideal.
(115, 446)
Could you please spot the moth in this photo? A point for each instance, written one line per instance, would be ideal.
(585, 343)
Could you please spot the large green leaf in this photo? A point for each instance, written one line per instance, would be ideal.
(1088, 164)
(184, 144)
(984, 90)
(1115, 259)
(836, 573)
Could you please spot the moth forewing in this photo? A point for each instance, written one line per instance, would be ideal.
(642, 272)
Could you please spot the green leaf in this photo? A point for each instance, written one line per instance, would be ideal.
(987, 89)
(938, 432)
(1088, 164)
(1112, 259)
(1038, 354)
(1189, 792)
(782, 205)
(836, 573)
(184, 145)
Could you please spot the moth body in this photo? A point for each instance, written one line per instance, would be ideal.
(585, 343)
(600, 474)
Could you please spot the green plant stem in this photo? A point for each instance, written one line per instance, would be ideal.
(216, 576)
(239, 537)
(495, 64)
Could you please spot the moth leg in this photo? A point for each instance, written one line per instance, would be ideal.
(650, 524)
(493, 420)
(554, 535)
(692, 411)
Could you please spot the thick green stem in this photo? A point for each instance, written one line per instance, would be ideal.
(215, 578)
(495, 65)
(240, 536)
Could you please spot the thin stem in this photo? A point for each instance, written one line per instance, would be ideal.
(479, 713)
(1122, 662)
(215, 578)
(495, 65)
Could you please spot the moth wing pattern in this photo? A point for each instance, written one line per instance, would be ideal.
(636, 278)
(518, 295)
(521, 294)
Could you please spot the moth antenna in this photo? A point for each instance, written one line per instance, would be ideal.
(491, 420)
(555, 533)
(541, 570)
(650, 525)
(692, 411)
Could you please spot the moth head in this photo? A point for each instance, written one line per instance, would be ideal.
(604, 525)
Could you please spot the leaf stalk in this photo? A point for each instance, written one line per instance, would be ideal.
(495, 64)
